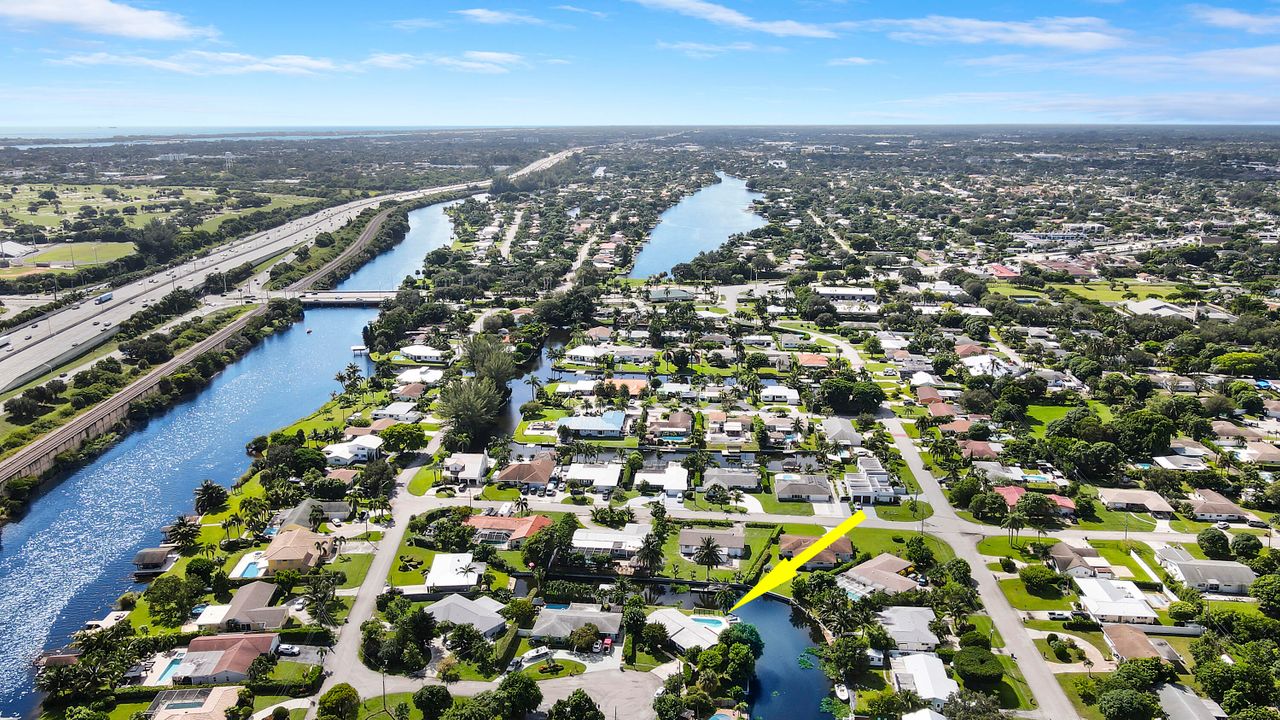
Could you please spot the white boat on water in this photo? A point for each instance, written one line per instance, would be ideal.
(842, 692)
(359, 350)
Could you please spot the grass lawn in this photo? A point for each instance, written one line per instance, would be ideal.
(124, 711)
(423, 479)
(1102, 291)
(1013, 689)
(900, 513)
(773, 506)
(757, 541)
(566, 668)
(984, 625)
(355, 566)
(289, 671)
(491, 492)
(262, 702)
(1116, 553)
(402, 574)
(1074, 655)
(999, 546)
(1039, 416)
(1068, 683)
(84, 253)
(699, 502)
(1022, 599)
(1093, 637)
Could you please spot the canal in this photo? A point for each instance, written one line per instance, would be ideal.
(700, 222)
(785, 688)
(70, 556)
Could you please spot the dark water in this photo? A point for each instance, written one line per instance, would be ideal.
(784, 690)
(68, 559)
(700, 222)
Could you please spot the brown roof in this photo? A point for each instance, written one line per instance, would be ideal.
(928, 394)
(537, 471)
(520, 527)
(813, 360)
(791, 545)
(238, 649)
(346, 475)
(978, 449)
(1129, 642)
(943, 410)
(884, 571)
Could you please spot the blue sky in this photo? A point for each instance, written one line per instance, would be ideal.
(437, 62)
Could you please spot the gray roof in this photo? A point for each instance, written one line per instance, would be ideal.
(559, 622)
(300, 514)
(252, 604)
(906, 624)
(838, 429)
(1224, 572)
(481, 613)
(724, 538)
(731, 478)
(1181, 703)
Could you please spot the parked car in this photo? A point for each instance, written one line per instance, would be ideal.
(1257, 523)
(598, 646)
(288, 650)
(1059, 615)
(1222, 525)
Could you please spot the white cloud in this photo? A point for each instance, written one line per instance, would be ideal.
(487, 16)
(1236, 64)
(483, 62)
(1059, 33)
(412, 24)
(582, 11)
(103, 17)
(703, 51)
(728, 17)
(393, 61)
(1232, 19)
(853, 60)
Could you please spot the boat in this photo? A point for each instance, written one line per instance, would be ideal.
(308, 331)
(842, 692)
(359, 349)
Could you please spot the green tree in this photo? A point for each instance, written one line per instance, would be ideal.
(708, 554)
(578, 706)
(340, 701)
(1214, 543)
(471, 406)
(977, 666)
(403, 437)
(1039, 580)
(1266, 590)
(1126, 704)
(432, 701)
(210, 497)
(582, 638)
(1245, 546)
(972, 705)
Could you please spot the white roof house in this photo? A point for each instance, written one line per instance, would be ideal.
(426, 376)
(909, 627)
(622, 543)
(597, 475)
(1114, 601)
(454, 571)
(405, 412)
(685, 631)
(926, 675)
(673, 479)
(779, 394)
(360, 449)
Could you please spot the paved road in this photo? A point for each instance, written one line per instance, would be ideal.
(834, 235)
(510, 234)
(82, 326)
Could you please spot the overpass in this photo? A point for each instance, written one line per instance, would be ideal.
(361, 298)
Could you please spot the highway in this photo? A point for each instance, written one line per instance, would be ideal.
(40, 347)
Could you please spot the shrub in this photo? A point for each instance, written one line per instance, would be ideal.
(973, 638)
(978, 666)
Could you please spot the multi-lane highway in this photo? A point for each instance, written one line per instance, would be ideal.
(40, 347)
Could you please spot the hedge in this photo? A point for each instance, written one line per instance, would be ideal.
(307, 635)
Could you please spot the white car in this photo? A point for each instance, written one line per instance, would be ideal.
(288, 650)
(1222, 525)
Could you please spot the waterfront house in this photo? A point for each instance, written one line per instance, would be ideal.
(883, 573)
(469, 468)
(802, 488)
(731, 479)
(673, 479)
(554, 625)
(401, 412)
(536, 472)
(837, 553)
(926, 676)
(425, 354)
(909, 627)
(620, 544)
(214, 659)
(733, 543)
(297, 549)
(361, 449)
(507, 533)
(779, 394)
(609, 425)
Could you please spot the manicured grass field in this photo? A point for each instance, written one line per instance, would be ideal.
(356, 567)
(423, 479)
(1103, 292)
(1022, 599)
(401, 577)
(774, 506)
(1093, 637)
(757, 539)
(984, 625)
(901, 513)
(83, 253)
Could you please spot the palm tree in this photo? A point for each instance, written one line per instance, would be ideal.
(650, 555)
(316, 517)
(708, 554)
(1014, 521)
(522, 504)
(184, 532)
(535, 384)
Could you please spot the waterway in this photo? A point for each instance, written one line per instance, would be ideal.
(785, 688)
(70, 556)
(700, 222)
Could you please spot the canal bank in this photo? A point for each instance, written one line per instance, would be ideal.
(70, 556)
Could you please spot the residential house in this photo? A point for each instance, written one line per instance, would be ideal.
(1128, 642)
(482, 613)
(193, 704)
(1259, 452)
(620, 544)
(909, 627)
(401, 412)
(609, 424)
(1211, 506)
(469, 468)
(675, 427)
(1065, 506)
(601, 476)
(839, 431)
(831, 556)
(1231, 435)
(1135, 501)
(733, 543)
(802, 488)
(250, 609)
(297, 549)
(554, 625)
(454, 572)
(673, 479)
(425, 354)
(1180, 702)
(1226, 577)
(731, 479)
(409, 393)
(1079, 562)
(299, 516)
(536, 472)
(357, 450)
(779, 394)
(870, 484)
(507, 533)
(213, 659)
(883, 573)
(926, 676)
(1115, 601)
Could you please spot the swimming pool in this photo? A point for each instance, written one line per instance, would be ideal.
(250, 566)
(169, 670)
(720, 716)
(252, 570)
(557, 606)
(714, 622)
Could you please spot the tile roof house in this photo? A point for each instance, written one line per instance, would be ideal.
(1135, 501)
(225, 658)
(805, 488)
(837, 553)
(1209, 505)
(508, 533)
(731, 478)
(1013, 493)
(296, 549)
(882, 573)
(1079, 561)
(251, 609)
(531, 472)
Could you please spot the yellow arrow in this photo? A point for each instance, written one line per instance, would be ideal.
(786, 569)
